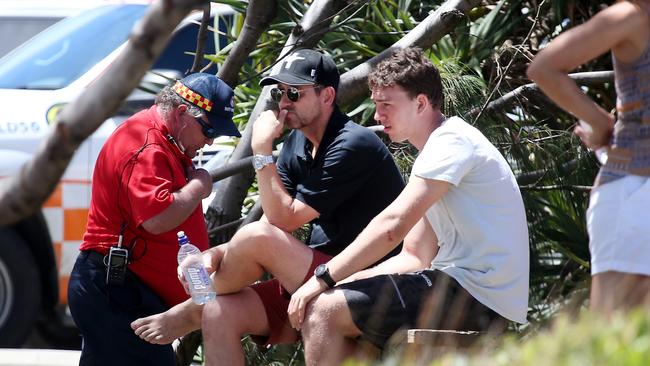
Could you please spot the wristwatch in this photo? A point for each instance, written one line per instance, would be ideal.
(260, 161)
(323, 273)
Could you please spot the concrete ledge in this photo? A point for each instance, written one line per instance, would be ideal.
(38, 357)
(437, 337)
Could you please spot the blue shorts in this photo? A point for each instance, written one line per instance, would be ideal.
(104, 313)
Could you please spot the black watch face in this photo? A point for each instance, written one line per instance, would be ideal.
(320, 270)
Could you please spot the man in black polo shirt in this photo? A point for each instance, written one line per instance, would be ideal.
(331, 173)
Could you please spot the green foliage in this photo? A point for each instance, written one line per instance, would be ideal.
(624, 341)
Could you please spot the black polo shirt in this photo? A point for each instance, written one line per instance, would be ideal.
(351, 179)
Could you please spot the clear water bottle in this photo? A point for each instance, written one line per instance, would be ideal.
(191, 262)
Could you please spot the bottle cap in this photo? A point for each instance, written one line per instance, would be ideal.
(182, 238)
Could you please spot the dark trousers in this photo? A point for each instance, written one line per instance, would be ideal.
(104, 313)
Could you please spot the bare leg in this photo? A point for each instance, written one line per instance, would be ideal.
(328, 331)
(163, 328)
(260, 247)
(226, 320)
(256, 248)
(617, 291)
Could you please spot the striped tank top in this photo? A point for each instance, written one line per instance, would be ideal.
(629, 153)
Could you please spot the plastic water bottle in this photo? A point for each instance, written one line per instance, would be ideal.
(191, 262)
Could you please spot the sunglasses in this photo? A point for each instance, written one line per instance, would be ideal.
(208, 131)
(293, 94)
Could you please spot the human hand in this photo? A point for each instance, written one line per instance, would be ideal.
(202, 177)
(211, 261)
(595, 135)
(267, 127)
(300, 299)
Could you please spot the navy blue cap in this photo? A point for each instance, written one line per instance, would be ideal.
(213, 96)
(304, 67)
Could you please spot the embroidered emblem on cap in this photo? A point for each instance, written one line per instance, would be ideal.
(231, 107)
(192, 97)
(289, 60)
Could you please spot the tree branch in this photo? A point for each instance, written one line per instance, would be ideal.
(430, 30)
(259, 15)
(582, 78)
(200, 39)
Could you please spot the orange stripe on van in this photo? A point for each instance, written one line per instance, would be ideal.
(63, 289)
(55, 199)
(74, 223)
(57, 255)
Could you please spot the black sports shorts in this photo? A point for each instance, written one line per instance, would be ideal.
(384, 304)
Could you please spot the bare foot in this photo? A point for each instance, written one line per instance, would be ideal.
(174, 323)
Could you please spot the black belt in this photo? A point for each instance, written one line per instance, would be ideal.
(93, 256)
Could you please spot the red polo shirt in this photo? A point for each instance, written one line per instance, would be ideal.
(136, 173)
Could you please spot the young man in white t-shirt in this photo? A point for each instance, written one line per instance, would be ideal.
(464, 263)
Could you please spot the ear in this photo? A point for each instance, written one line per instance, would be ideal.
(182, 108)
(422, 102)
(330, 95)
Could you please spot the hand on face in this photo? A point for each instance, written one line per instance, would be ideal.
(267, 127)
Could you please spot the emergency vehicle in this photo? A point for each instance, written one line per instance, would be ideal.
(36, 81)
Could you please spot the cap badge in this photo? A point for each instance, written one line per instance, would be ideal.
(290, 59)
(192, 97)
(230, 108)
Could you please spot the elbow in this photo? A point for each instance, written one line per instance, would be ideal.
(152, 227)
(543, 72)
(284, 224)
(534, 71)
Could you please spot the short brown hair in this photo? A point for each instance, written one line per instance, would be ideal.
(410, 70)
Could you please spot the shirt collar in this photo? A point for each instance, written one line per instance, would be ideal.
(334, 125)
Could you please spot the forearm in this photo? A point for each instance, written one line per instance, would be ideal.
(276, 202)
(401, 263)
(382, 235)
(186, 200)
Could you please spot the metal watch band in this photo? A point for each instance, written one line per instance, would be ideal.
(260, 161)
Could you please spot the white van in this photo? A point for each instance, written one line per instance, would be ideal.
(36, 80)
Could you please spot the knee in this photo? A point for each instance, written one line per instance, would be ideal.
(213, 312)
(223, 316)
(250, 237)
(320, 316)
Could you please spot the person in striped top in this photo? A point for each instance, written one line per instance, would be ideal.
(619, 237)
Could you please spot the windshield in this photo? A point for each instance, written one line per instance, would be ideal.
(58, 56)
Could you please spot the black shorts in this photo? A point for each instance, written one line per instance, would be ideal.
(382, 305)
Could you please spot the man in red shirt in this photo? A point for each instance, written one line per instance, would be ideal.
(145, 189)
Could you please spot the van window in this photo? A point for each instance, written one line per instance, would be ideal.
(67, 50)
(21, 29)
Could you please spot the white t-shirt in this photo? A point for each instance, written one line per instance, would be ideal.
(480, 222)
